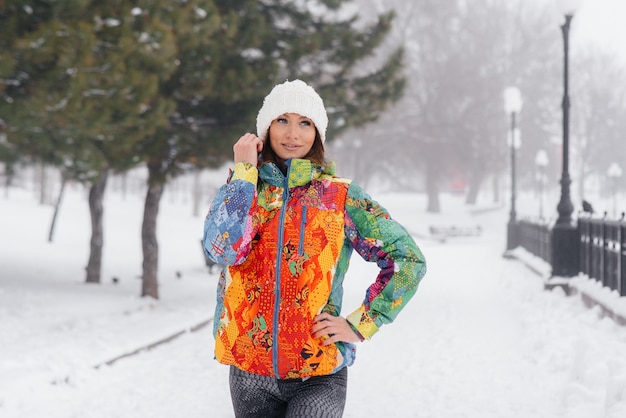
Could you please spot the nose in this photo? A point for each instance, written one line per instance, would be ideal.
(292, 131)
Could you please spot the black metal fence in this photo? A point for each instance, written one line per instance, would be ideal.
(535, 238)
(603, 252)
(602, 248)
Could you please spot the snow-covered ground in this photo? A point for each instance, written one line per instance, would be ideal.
(482, 338)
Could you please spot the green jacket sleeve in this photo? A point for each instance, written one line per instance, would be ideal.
(380, 239)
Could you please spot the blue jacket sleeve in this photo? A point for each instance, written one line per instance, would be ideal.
(229, 226)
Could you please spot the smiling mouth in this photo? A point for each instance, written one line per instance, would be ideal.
(291, 147)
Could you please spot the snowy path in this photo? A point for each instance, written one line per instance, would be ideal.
(466, 354)
(468, 346)
(481, 338)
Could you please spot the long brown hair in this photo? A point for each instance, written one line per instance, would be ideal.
(315, 154)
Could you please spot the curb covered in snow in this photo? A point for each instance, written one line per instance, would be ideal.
(590, 291)
(157, 343)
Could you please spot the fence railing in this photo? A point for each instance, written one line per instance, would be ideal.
(535, 238)
(602, 248)
(603, 252)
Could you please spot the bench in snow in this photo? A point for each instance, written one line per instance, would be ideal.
(456, 231)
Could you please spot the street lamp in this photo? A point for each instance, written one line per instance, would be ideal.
(565, 207)
(565, 240)
(541, 160)
(512, 106)
(614, 172)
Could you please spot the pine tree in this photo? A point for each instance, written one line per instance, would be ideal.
(230, 55)
(89, 92)
(172, 84)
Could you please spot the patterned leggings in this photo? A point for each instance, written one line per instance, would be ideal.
(257, 396)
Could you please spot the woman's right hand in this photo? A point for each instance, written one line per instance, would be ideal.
(247, 149)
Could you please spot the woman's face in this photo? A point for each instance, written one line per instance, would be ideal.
(292, 135)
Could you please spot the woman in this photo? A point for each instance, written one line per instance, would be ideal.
(285, 226)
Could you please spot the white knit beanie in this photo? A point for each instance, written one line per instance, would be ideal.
(292, 97)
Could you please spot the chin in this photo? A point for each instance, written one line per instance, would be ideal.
(291, 156)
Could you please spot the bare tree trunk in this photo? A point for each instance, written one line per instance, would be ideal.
(96, 210)
(149, 243)
(474, 187)
(124, 181)
(197, 192)
(57, 207)
(9, 179)
(496, 188)
(432, 190)
(42, 183)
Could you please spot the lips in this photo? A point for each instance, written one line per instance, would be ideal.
(290, 147)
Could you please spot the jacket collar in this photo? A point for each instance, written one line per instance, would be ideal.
(300, 172)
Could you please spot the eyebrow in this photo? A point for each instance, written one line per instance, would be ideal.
(300, 116)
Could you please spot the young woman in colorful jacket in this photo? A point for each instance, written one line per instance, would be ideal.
(284, 226)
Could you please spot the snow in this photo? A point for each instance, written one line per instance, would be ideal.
(481, 338)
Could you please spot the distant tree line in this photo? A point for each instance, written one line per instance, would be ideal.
(450, 123)
(94, 87)
(98, 87)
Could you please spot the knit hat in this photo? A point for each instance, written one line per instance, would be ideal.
(292, 97)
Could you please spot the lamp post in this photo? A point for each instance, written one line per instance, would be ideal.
(512, 106)
(614, 172)
(565, 240)
(541, 160)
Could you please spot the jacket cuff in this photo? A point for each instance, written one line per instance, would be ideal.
(357, 332)
(246, 172)
(363, 323)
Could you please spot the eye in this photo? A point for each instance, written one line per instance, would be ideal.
(306, 123)
(281, 120)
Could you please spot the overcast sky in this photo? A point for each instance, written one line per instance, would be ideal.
(601, 23)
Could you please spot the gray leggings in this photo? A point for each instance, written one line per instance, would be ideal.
(260, 396)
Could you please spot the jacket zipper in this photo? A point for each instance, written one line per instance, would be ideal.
(302, 226)
(279, 253)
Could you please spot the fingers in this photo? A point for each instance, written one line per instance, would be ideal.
(248, 138)
(332, 329)
(247, 148)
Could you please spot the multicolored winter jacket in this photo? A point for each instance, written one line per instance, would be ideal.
(286, 242)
